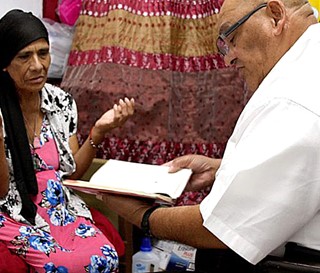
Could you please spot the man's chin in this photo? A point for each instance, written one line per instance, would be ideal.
(250, 88)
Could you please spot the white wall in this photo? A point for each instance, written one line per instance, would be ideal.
(35, 6)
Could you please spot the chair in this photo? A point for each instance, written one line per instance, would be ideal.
(297, 259)
(276, 265)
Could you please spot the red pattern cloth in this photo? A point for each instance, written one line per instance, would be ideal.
(163, 54)
(49, 10)
(183, 9)
(144, 60)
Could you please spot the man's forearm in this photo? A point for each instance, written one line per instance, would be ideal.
(183, 224)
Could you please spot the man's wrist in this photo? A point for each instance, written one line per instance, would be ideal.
(145, 225)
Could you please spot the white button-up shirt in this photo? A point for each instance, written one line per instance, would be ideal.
(267, 190)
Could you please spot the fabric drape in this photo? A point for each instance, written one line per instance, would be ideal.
(163, 54)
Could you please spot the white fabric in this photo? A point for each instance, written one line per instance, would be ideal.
(267, 190)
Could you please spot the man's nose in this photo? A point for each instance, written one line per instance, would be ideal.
(230, 58)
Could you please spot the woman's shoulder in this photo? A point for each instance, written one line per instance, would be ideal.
(54, 90)
(54, 96)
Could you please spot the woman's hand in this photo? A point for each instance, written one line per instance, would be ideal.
(203, 168)
(116, 116)
(113, 118)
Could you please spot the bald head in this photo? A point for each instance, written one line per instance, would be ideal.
(253, 3)
(294, 3)
(264, 32)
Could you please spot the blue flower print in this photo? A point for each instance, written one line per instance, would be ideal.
(60, 216)
(110, 253)
(85, 231)
(106, 264)
(37, 239)
(2, 220)
(54, 193)
(50, 268)
(111, 256)
(45, 134)
(42, 244)
(98, 265)
(54, 200)
(26, 231)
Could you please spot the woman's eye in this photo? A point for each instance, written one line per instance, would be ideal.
(43, 53)
(23, 57)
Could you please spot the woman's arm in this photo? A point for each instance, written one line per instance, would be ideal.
(111, 119)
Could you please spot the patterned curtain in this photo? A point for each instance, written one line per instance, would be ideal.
(162, 53)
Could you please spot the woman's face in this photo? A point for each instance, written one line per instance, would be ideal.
(29, 68)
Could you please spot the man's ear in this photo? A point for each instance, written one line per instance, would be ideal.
(277, 12)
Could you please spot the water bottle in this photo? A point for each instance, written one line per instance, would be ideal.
(145, 260)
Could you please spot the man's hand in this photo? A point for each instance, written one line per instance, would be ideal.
(203, 168)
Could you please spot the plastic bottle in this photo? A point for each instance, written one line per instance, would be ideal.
(145, 260)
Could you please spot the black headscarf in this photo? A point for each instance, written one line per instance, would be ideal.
(17, 30)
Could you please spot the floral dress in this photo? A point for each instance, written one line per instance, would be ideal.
(71, 244)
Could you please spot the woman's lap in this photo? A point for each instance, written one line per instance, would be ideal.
(76, 247)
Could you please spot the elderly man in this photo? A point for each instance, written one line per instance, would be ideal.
(266, 189)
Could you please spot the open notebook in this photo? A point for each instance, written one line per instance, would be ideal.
(135, 179)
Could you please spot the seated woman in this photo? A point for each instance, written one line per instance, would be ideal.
(42, 221)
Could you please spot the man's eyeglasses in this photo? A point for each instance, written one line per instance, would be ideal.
(222, 44)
